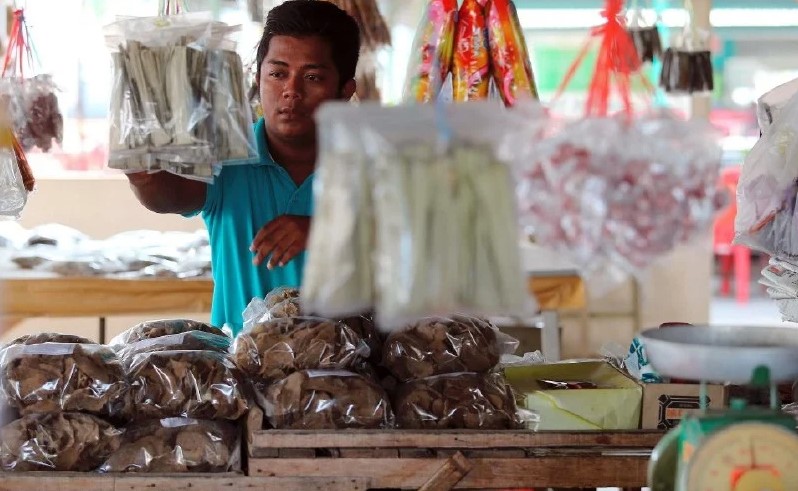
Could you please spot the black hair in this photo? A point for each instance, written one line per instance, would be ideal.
(303, 18)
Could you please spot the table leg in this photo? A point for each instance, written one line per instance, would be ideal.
(550, 336)
(102, 330)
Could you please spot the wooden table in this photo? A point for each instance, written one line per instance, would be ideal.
(25, 295)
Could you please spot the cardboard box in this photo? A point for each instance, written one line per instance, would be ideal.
(616, 405)
(665, 405)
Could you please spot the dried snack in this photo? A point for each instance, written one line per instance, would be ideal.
(432, 52)
(177, 445)
(184, 341)
(471, 65)
(52, 377)
(50, 337)
(165, 327)
(273, 349)
(440, 345)
(57, 442)
(456, 401)
(325, 399)
(512, 68)
(190, 384)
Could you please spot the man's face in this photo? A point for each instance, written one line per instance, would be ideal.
(297, 76)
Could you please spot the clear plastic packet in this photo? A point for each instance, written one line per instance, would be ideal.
(512, 68)
(175, 445)
(57, 235)
(767, 191)
(457, 401)
(432, 51)
(178, 100)
(49, 337)
(274, 349)
(13, 195)
(769, 106)
(325, 400)
(608, 205)
(440, 345)
(164, 327)
(188, 384)
(687, 64)
(471, 69)
(12, 235)
(645, 36)
(418, 214)
(184, 341)
(51, 377)
(58, 441)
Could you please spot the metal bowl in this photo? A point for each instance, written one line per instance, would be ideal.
(722, 353)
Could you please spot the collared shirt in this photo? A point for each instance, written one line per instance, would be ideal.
(242, 199)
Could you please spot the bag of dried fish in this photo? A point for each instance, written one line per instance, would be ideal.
(179, 101)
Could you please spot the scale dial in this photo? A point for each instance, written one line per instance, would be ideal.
(746, 457)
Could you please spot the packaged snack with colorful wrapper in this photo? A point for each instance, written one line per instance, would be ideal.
(177, 445)
(471, 64)
(432, 51)
(61, 441)
(325, 399)
(512, 68)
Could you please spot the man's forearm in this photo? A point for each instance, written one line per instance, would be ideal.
(162, 192)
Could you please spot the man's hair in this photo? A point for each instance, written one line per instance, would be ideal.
(305, 18)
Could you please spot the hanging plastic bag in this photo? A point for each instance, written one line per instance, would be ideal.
(13, 194)
(770, 105)
(418, 215)
(179, 102)
(609, 205)
(471, 65)
(767, 191)
(431, 58)
(512, 69)
(645, 36)
(30, 96)
(687, 65)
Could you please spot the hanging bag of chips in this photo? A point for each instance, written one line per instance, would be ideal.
(512, 69)
(615, 193)
(687, 65)
(431, 56)
(471, 65)
(178, 100)
(30, 96)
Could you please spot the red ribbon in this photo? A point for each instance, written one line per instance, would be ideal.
(16, 42)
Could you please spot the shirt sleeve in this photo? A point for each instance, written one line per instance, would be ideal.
(212, 198)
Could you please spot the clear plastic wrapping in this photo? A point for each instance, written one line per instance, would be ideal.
(176, 445)
(32, 105)
(687, 64)
(457, 401)
(769, 106)
(416, 215)
(57, 442)
(274, 349)
(189, 384)
(767, 190)
(52, 377)
(512, 68)
(13, 195)
(602, 201)
(184, 341)
(164, 327)
(432, 50)
(50, 337)
(325, 399)
(438, 346)
(178, 100)
(645, 36)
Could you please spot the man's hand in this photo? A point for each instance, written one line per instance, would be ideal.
(282, 239)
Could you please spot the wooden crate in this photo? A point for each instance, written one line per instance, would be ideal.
(442, 460)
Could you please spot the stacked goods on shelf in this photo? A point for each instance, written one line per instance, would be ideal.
(178, 98)
(187, 396)
(480, 43)
(69, 393)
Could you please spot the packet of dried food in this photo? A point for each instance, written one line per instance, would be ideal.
(178, 98)
(471, 66)
(432, 51)
(50, 337)
(512, 68)
(163, 327)
(177, 445)
(184, 341)
(274, 349)
(645, 36)
(457, 401)
(426, 224)
(189, 384)
(687, 64)
(58, 441)
(441, 345)
(325, 399)
(51, 377)
(13, 195)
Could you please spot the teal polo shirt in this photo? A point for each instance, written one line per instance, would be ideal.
(241, 200)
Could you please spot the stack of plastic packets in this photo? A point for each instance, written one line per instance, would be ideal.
(781, 279)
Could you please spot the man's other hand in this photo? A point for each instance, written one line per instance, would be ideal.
(280, 240)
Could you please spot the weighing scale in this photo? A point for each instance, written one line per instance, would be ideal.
(744, 447)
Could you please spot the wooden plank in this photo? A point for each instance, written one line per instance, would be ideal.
(451, 439)
(450, 473)
(196, 482)
(564, 472)
(368, 453)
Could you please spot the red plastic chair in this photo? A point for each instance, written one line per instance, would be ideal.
(733, 258)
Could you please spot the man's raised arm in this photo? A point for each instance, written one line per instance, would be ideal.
(163, 192)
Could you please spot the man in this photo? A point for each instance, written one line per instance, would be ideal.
(258, 215)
